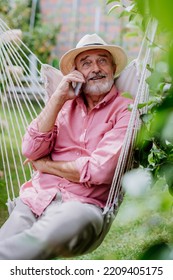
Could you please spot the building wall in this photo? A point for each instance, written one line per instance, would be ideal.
(79, 17)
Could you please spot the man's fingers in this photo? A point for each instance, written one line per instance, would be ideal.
(31, 162)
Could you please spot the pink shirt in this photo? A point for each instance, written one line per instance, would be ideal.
(93, 140)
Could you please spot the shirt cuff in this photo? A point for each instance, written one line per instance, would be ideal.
(35, 133)
(82, 166)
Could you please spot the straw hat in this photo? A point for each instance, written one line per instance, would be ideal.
(90, 42)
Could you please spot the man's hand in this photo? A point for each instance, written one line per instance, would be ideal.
(65, 90)
(39, 164)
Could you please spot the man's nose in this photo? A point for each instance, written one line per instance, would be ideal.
(95, 67)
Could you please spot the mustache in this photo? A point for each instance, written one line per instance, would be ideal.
(96, 76)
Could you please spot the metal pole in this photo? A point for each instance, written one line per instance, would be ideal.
(32, 18)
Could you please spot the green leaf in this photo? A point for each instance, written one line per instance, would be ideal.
(142, 105)
(131, 34)
(151, 159)
(154, 79)
(149, 68)
(161, 86)
(127, 95)
(131, 17)
(129, 8)
(130, 107)
(111, 1)
(146, 118)
(113, 8)
(167, 171)
(123, 14)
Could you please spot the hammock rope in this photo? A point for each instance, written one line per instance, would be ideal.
(22, 88)
(125, 160)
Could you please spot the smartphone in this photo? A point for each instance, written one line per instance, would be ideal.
(77, 89)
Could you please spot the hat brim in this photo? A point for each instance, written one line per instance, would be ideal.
(67, 61)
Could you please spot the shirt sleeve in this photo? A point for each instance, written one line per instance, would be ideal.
(100, 166)
(37, 144)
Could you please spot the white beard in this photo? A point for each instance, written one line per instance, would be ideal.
(98, 88)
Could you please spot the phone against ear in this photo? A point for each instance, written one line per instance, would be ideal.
(77, 88)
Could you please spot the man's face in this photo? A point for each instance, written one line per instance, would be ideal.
(98, 68)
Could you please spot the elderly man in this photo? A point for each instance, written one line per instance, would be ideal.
(73, 146)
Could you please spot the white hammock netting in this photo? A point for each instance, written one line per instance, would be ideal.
(21, 97)
(24, 87)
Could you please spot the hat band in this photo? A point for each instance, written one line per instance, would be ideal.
(97, 44)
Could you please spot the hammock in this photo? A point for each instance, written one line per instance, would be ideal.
(25, 86)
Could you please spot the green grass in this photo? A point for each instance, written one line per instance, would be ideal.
(140, 223)
(3, 200)
(9, 115)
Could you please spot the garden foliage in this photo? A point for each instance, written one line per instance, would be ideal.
(154, 145)
(40, 37)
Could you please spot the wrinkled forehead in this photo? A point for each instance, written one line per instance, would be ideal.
(93, 54)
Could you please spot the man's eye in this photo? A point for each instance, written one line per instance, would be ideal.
(102, 61)
(86, 64)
